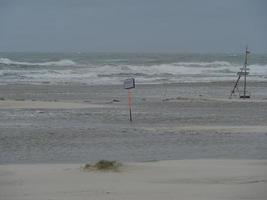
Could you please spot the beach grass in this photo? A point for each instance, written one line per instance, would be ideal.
(103, 165)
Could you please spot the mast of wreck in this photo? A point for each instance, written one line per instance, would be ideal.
(243, 72)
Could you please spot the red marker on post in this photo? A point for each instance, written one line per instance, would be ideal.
(129, 84)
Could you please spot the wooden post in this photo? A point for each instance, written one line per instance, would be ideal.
(129, 84)
(130, 103)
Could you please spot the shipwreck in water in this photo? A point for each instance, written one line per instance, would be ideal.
(240, 88)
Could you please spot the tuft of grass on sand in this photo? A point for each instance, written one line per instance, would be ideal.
(103, 165)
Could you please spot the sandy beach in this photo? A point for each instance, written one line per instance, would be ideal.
(182, 144)
(183, 179)
(21, 104)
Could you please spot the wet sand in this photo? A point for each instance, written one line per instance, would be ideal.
(22, 104)
(75, 123)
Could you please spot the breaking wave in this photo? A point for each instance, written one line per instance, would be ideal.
(64, 62)
(204, 64)
(114, 73)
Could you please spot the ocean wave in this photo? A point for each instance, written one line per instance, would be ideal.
(204, 64)
(166, 69)
(116, 73)
(63, 62)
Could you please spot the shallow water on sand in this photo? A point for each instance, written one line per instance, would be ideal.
(200, 123)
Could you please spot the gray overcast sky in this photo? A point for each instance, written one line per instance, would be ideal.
(133, 25)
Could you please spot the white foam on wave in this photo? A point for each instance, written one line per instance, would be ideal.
(115, 74)
(204, 64)
(258, 69)
(63, 62)
(180, 68)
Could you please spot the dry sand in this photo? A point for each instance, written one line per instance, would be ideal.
(183, 179)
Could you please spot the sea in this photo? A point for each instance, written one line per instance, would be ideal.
(113, 68)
